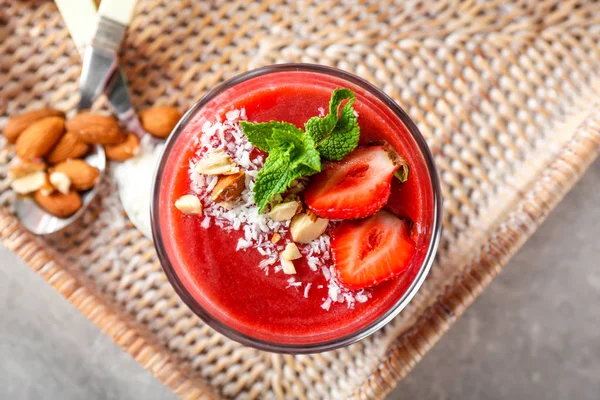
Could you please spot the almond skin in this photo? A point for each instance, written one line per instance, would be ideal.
(69, 146)
(125, 150)
(18, 123)
(95, 129)
(58, 204)
(160, 121)
(229, 187)
(39, 138)
(82, 175)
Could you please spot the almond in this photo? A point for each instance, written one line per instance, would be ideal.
(304, 228)
(287, 266)
(95, 129)
(275, 238)
(160, 121)
(39, 138)
(29, 183)
(69, 146)
(291, 252)
(284, 211)
(216, 163)
(60, 181)
(58, 204)
(229, 187)
(82, 175)
(125, 150)
(18, 123)
(189, 204)
(26, 168)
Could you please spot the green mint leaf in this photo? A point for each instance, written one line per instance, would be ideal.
(259, 133)
(294, 153)
(310, 157)
(321, 127)
(285, 141)
(299, 148)
(336, 136)
(337, 97)
(344, 136)
(273, 178)
(291, 156)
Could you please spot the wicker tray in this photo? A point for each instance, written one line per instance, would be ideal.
(504, 93)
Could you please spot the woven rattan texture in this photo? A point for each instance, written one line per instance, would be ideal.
(503, 92)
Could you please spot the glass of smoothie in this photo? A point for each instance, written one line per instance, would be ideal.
(264, 278)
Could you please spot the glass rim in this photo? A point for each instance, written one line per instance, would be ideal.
(297, 348)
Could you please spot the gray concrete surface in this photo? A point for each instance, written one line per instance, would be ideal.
(534, 334)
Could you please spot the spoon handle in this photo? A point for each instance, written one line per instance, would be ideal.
(118, 95)
(80, 17)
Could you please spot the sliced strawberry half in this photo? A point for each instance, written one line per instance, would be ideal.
(356, 187)
(371, 250)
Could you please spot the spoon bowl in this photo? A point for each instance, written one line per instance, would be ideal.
(134, 180)
(40, 222)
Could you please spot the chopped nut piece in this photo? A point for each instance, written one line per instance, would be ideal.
(229, 187)
(189, 204)
(216, 163)
(287, 266)
(47, 188)
(284, 211)
(276, 237)
(291, 252)
(60, 181)
(29, 183)
(226, 205)
(297, 186)
(305, 230)
(25, 168)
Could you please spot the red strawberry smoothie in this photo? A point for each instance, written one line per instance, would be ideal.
(227, 283)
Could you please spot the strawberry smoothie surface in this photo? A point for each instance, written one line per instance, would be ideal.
(225, 286)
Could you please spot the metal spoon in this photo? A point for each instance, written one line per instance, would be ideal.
(98, 37)
(138, 169)
(40, 222)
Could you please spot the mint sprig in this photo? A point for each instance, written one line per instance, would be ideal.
(259, 134)
(294, 153)
(336, 135)
(343, 138)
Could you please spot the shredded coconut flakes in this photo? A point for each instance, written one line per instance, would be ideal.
(306, 289)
